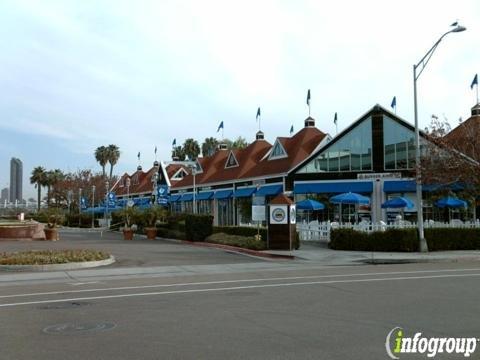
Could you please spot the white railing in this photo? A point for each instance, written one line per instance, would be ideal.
(315, 231)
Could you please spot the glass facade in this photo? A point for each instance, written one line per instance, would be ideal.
(353, 152)
(399, 145)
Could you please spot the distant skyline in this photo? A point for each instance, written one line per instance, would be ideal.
(76, 75)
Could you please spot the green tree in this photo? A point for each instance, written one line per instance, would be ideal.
(191, 149)
(101, 155)
(38, 178)
(52, 177)
(239, 143)
(178, 153)
(209, 146)
(113, 154)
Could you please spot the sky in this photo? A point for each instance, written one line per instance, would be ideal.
(75, 75)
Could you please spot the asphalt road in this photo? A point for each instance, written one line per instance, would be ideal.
(297, 313)
(138, 252)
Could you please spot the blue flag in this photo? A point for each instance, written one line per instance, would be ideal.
(258, 113)
(291, 130)
(174, 142)
(155, 149)
(393, 105)
(335, 119)
(220, 126)
(138, 155)
(308, 97)
(474, 81)
(111, 199)
(83, 202)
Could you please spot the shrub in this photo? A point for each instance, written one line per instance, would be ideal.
(236, 240)
(452, 239)
(198, 227)
(170, 234)
(51, 257)
(84, 219)
(404, 240)
(241, 231)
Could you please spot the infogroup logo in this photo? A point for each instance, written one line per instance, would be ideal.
(397, 343)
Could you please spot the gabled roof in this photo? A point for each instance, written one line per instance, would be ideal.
(465, 135)
(253, 160)
(376, 109)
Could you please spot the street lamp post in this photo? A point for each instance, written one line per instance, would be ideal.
(155, 188)
(422, 64)
(93, 206)
(107, 185)
(127, 184)
(79, 207)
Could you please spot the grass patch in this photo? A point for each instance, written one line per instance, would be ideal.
(236, 240)
(45, 257)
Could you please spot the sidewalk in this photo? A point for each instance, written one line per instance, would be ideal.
(320, 254)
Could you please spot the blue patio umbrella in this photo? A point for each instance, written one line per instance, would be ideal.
(397, 203)
(349, 199)
(309, 204)
(451, 202)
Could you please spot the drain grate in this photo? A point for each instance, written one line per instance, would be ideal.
(78, 329)
(65, 305)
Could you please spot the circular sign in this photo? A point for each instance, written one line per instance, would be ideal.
(130, 203)
(278, 214)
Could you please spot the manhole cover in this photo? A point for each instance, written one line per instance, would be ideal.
(76, 329)
(65, 305)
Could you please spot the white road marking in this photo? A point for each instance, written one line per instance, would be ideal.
(229, 282)
(239, 288)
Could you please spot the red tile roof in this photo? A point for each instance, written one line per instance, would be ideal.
(253, 162)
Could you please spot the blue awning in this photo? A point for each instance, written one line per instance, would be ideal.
(207, 195)
(270, 190)
(187, 197)
(244, 192)
(334, 187)
(403, 186)
(223, 194)
(174, 198)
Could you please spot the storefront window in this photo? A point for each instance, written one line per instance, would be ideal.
(399, 145)
(353, 152)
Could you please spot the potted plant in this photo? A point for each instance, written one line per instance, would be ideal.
(54, 218)
(152, 215)
(129, 218)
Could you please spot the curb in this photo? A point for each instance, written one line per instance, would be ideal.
(239, 250)
(60, 267)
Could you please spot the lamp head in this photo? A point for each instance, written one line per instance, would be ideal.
(459, 28)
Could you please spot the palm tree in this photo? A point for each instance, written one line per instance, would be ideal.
(101, 155)
(113, 154)
(38, 178)
(209, 146)
(54, 177)
(191, 149)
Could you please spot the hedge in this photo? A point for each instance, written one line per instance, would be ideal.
(452, 239)
(246, 242)
(403, 240)
(439, 239)
(170, 234)
(198, 227)
(85, 220)
(241, 231)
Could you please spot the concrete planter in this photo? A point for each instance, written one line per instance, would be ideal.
(151, 233)
(127, 234)
(51, 234)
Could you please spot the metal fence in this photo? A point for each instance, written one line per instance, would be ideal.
(315, 231)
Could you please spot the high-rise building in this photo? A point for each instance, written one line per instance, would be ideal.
(16, 179)
(4, 195)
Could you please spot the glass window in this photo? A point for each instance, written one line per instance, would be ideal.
(353, 152)
(399, 148)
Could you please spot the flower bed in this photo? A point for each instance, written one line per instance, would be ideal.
(45, 257)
